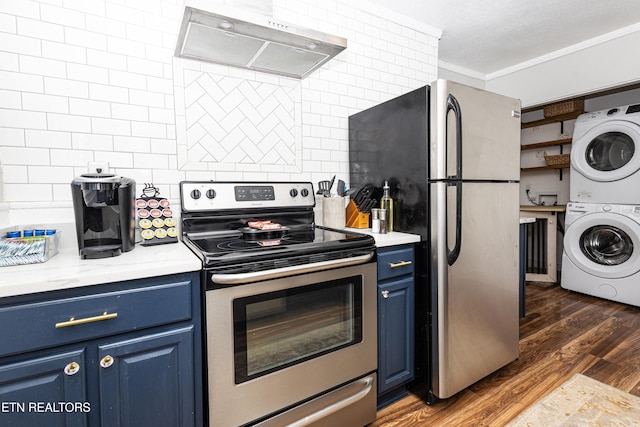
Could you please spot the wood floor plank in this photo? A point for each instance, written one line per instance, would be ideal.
(564, 333)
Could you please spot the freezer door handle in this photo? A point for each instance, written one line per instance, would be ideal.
(452, 255)
(453, 105)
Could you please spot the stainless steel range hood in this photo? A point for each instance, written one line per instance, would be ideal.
(244, 39)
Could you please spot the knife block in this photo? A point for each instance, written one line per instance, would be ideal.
(355, 218)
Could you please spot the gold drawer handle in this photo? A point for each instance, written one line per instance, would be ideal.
(400, 264)
(74, 322)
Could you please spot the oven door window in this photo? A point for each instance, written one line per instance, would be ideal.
(275, 330)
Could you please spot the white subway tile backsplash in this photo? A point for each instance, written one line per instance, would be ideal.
(151, 130)
(62, 16)
(10, 99)
(127, 100)
(91, 7)
(90, 141)
(24, 156)
(87, 107)
(48, 103)
(132, 144)
(15, 174)
(26, 8)
(40, 30)
(22, 82)
(27, 192)
(125, 47)
(106, 60)
(88, 39)
(129, 112)
(78, 158)
(110, 126)
(22, 119)
(102, 25)
(11, 137)
(63, 52)
(47, 139)
(50, 174)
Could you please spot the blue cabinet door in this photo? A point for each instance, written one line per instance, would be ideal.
(396, 333)
(149, 380)
(49, 390)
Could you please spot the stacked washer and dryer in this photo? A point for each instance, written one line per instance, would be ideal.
(601, 255)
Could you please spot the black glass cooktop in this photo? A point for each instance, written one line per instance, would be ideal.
(237, 246)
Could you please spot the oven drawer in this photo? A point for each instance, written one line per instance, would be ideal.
(395, 261)
(55, 322)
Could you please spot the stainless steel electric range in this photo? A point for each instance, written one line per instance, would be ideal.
(290, 307)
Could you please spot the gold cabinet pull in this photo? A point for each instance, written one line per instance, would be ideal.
(74, 322)
(106, 361)
(72, 368)
(385, 294)
(400, 264)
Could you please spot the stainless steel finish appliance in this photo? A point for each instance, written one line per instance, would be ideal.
(452, 156)
(104, 211)
(291, 325)
(254, 41)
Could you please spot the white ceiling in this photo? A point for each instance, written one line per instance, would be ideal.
(485, 36)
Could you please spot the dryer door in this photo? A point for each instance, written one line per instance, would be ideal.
(603, 244)
(609, 151)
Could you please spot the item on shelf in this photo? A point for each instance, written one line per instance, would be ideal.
(564, 107)
(28, 249)
(558, 159)
(155, 218)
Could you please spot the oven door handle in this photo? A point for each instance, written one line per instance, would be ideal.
(240, 278)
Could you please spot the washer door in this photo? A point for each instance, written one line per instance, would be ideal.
(606, 245)
(609, 151)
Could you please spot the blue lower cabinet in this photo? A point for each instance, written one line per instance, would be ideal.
(395, 322)
(49, 390)
(118, 354)
(148, 380)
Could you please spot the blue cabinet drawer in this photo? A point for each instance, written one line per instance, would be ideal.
(54, 322)
(395, 261)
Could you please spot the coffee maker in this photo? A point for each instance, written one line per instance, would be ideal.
(104, 210)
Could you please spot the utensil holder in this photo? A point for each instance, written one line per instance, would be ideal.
(355, 218)
(333, 212)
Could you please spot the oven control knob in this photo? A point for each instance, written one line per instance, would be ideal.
(293, 192)
(211, 194)
(304, 192)
(195, 194)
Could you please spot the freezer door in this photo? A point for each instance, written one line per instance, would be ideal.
(485, 124)
(475, 309)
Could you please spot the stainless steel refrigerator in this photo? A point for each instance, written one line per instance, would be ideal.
(452, 156)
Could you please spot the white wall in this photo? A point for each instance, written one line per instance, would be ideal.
(95, 80)
(596, 65)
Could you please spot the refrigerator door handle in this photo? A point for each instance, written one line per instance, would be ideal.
(452, 255)
(453, 105)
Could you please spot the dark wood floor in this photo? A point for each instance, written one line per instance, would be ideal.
(563, 333)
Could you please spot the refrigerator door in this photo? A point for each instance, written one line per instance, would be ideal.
(475, 313)
(487, 125)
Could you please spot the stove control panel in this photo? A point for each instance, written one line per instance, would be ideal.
(213, 196)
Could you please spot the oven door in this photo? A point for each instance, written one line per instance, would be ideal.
(283, 343)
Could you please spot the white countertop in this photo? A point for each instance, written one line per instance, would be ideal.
(388, 239)
(67, 270)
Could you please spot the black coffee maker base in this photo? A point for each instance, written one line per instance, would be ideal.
(97, 252)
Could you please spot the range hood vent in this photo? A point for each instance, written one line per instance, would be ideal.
(255, 42)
